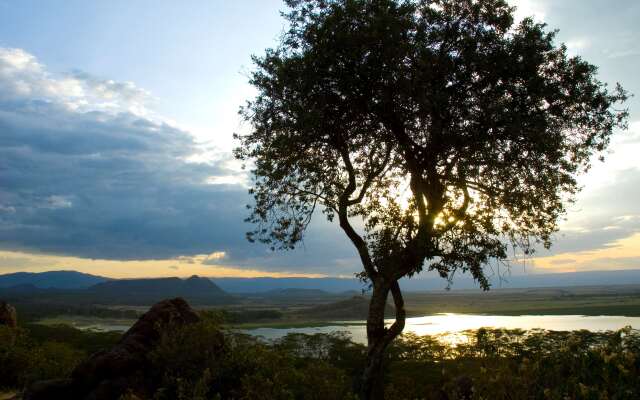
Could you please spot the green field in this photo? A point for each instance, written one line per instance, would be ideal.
(603, 300)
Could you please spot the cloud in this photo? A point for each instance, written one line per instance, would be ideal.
(56, 201)
(529, 8)
(217, 255)
(89, 170)
(14, 263)
(603, 215)
(562, 261)
(22, 77)
(622, 53)
(86, 171)
(617, 254)
(84, 179)
(576, 45)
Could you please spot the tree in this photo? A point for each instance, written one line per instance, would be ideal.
(439, 133)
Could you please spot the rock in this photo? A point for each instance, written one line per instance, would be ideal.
(8, 315)
(108, 374)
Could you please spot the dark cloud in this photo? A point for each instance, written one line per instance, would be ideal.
(86, 178)
(104, 183)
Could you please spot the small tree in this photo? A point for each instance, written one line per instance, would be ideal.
(447, 130)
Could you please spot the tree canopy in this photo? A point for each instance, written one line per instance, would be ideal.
(446, 127)
(438, 132)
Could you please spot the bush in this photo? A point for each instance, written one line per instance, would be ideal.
(514, 364)
(202, 361)
(199, 363)
(23, 360)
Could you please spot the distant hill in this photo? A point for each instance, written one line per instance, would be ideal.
(263, 284)
(296, 292)
(356, 307)
(51, 279)
(430, 281)
(281, 287)
(195, 289)
(298, 296)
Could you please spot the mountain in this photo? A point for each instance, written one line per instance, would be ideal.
(429, 281)
(284, 288)
(296, 293)
(262, 284)
(195, 289)
(51, 279)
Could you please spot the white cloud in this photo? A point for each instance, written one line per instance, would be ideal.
(23, 77)
(217, 255)
(529, 8)
(90, 145)
(622, 53)
(621, 155)
(7, 209)
(226, 180)
(575, 45)
(56, 201)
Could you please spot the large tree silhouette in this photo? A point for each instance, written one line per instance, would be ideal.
(437, 132)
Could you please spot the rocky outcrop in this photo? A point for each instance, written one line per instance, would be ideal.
(126, 367)
(8, 315)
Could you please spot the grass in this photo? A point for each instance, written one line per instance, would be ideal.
(618, 301)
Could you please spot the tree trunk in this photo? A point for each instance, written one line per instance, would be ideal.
(379, 337)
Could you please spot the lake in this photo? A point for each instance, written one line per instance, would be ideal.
(90, 323)
(449, 325)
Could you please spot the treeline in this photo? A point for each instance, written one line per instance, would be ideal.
(33, 310)
(192, 363)
(244, 315)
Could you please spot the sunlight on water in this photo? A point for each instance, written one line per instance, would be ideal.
(450, 326)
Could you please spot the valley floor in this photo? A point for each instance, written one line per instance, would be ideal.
(326, 310)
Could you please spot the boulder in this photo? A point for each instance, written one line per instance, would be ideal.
(8, 315)
(126, 367)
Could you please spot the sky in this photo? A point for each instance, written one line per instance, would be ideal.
(116, 124)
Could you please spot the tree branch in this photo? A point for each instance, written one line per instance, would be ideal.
(370, 178)
(396, 328)
(325, 201)
(343, 215)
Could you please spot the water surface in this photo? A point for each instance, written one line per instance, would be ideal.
(452, 324)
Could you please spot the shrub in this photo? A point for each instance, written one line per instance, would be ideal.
(23, 360)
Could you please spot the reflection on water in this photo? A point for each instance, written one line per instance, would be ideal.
(451, 324)
(101, 327)
(104, 328)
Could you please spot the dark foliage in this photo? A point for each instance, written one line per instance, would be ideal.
(486, 364)
(485, 122)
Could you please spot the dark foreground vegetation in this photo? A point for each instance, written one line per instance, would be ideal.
(191, 362)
